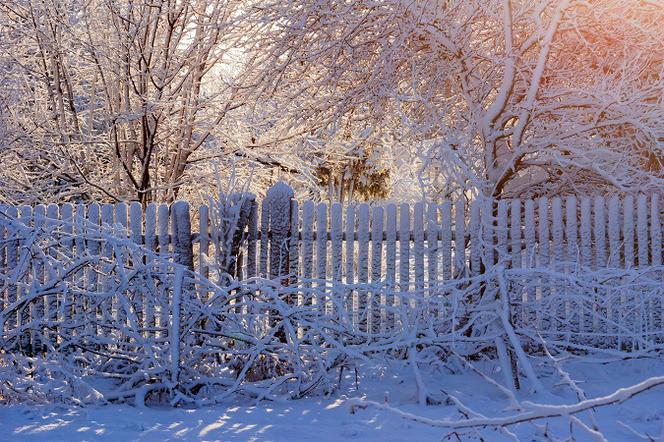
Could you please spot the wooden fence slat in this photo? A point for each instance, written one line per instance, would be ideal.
(252, 238)
(307, 246)
(656, 231)
(336, 243)
(585, 237)
(614, 261)
(321, 254)
(515, 252)
(151, 243)
(404, 250)
(293, 254)
(418, 247)
(94, 248)
(3, 256)
(515, 234)
(387, 319)
(628, 230)
(163, 313)
(529, 260)
(445, 229)
(432, 228)
(24, 317)
(121, 223)
(107, 223)
(38, 308)
(377, 231)
(459, 238)
(599, 237)
(475, 239)
(642, 230)
(656, 252)
(599, 231)
(628, 320)
(136, 235)
(12, 261)
(647, 319)
(573, 309)
(349, 300)
(585, 233)
(543, 252)
(502, 233)
(203, 240)
(558, 249)
(51, 301)
(265, 219)
(363, 262)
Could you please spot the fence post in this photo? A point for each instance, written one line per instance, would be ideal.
(182, 245)
(279, 199)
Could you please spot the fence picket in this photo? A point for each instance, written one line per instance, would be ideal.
(529, 260)
(38, 308)
(349, 296)
(387, 319)
(404, 250)
(252, 239)
(336, 237)
(136, 235)
(573, 309)
(163, 302)
(614, 261)
(94, 248)
(203, 240)
(459, 239)
(321, 254)
(363, 262)
(151, 243)
(51, 301)
(373, 313)
(27, 339)
(432, 247)
(543, 261)
(307, 245)
(418, 248)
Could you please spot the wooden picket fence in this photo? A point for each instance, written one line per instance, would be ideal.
(407, 248)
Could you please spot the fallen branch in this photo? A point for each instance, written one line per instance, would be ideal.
(535, 412)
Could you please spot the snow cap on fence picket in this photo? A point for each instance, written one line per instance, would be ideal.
(279, 199)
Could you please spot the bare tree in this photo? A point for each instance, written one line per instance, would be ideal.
(505, 97)
(116, 96)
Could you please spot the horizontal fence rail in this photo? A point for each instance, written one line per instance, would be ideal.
(364, 259)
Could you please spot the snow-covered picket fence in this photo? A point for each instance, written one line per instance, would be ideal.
(81, 299)
(587, 268)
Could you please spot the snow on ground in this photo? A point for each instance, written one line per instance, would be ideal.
(329, 419)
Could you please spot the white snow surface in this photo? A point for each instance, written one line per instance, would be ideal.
(330, 419)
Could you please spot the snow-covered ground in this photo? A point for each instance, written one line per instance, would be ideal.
(329, 419)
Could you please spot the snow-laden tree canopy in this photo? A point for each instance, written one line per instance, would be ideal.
(503, 97)
(119, 99)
